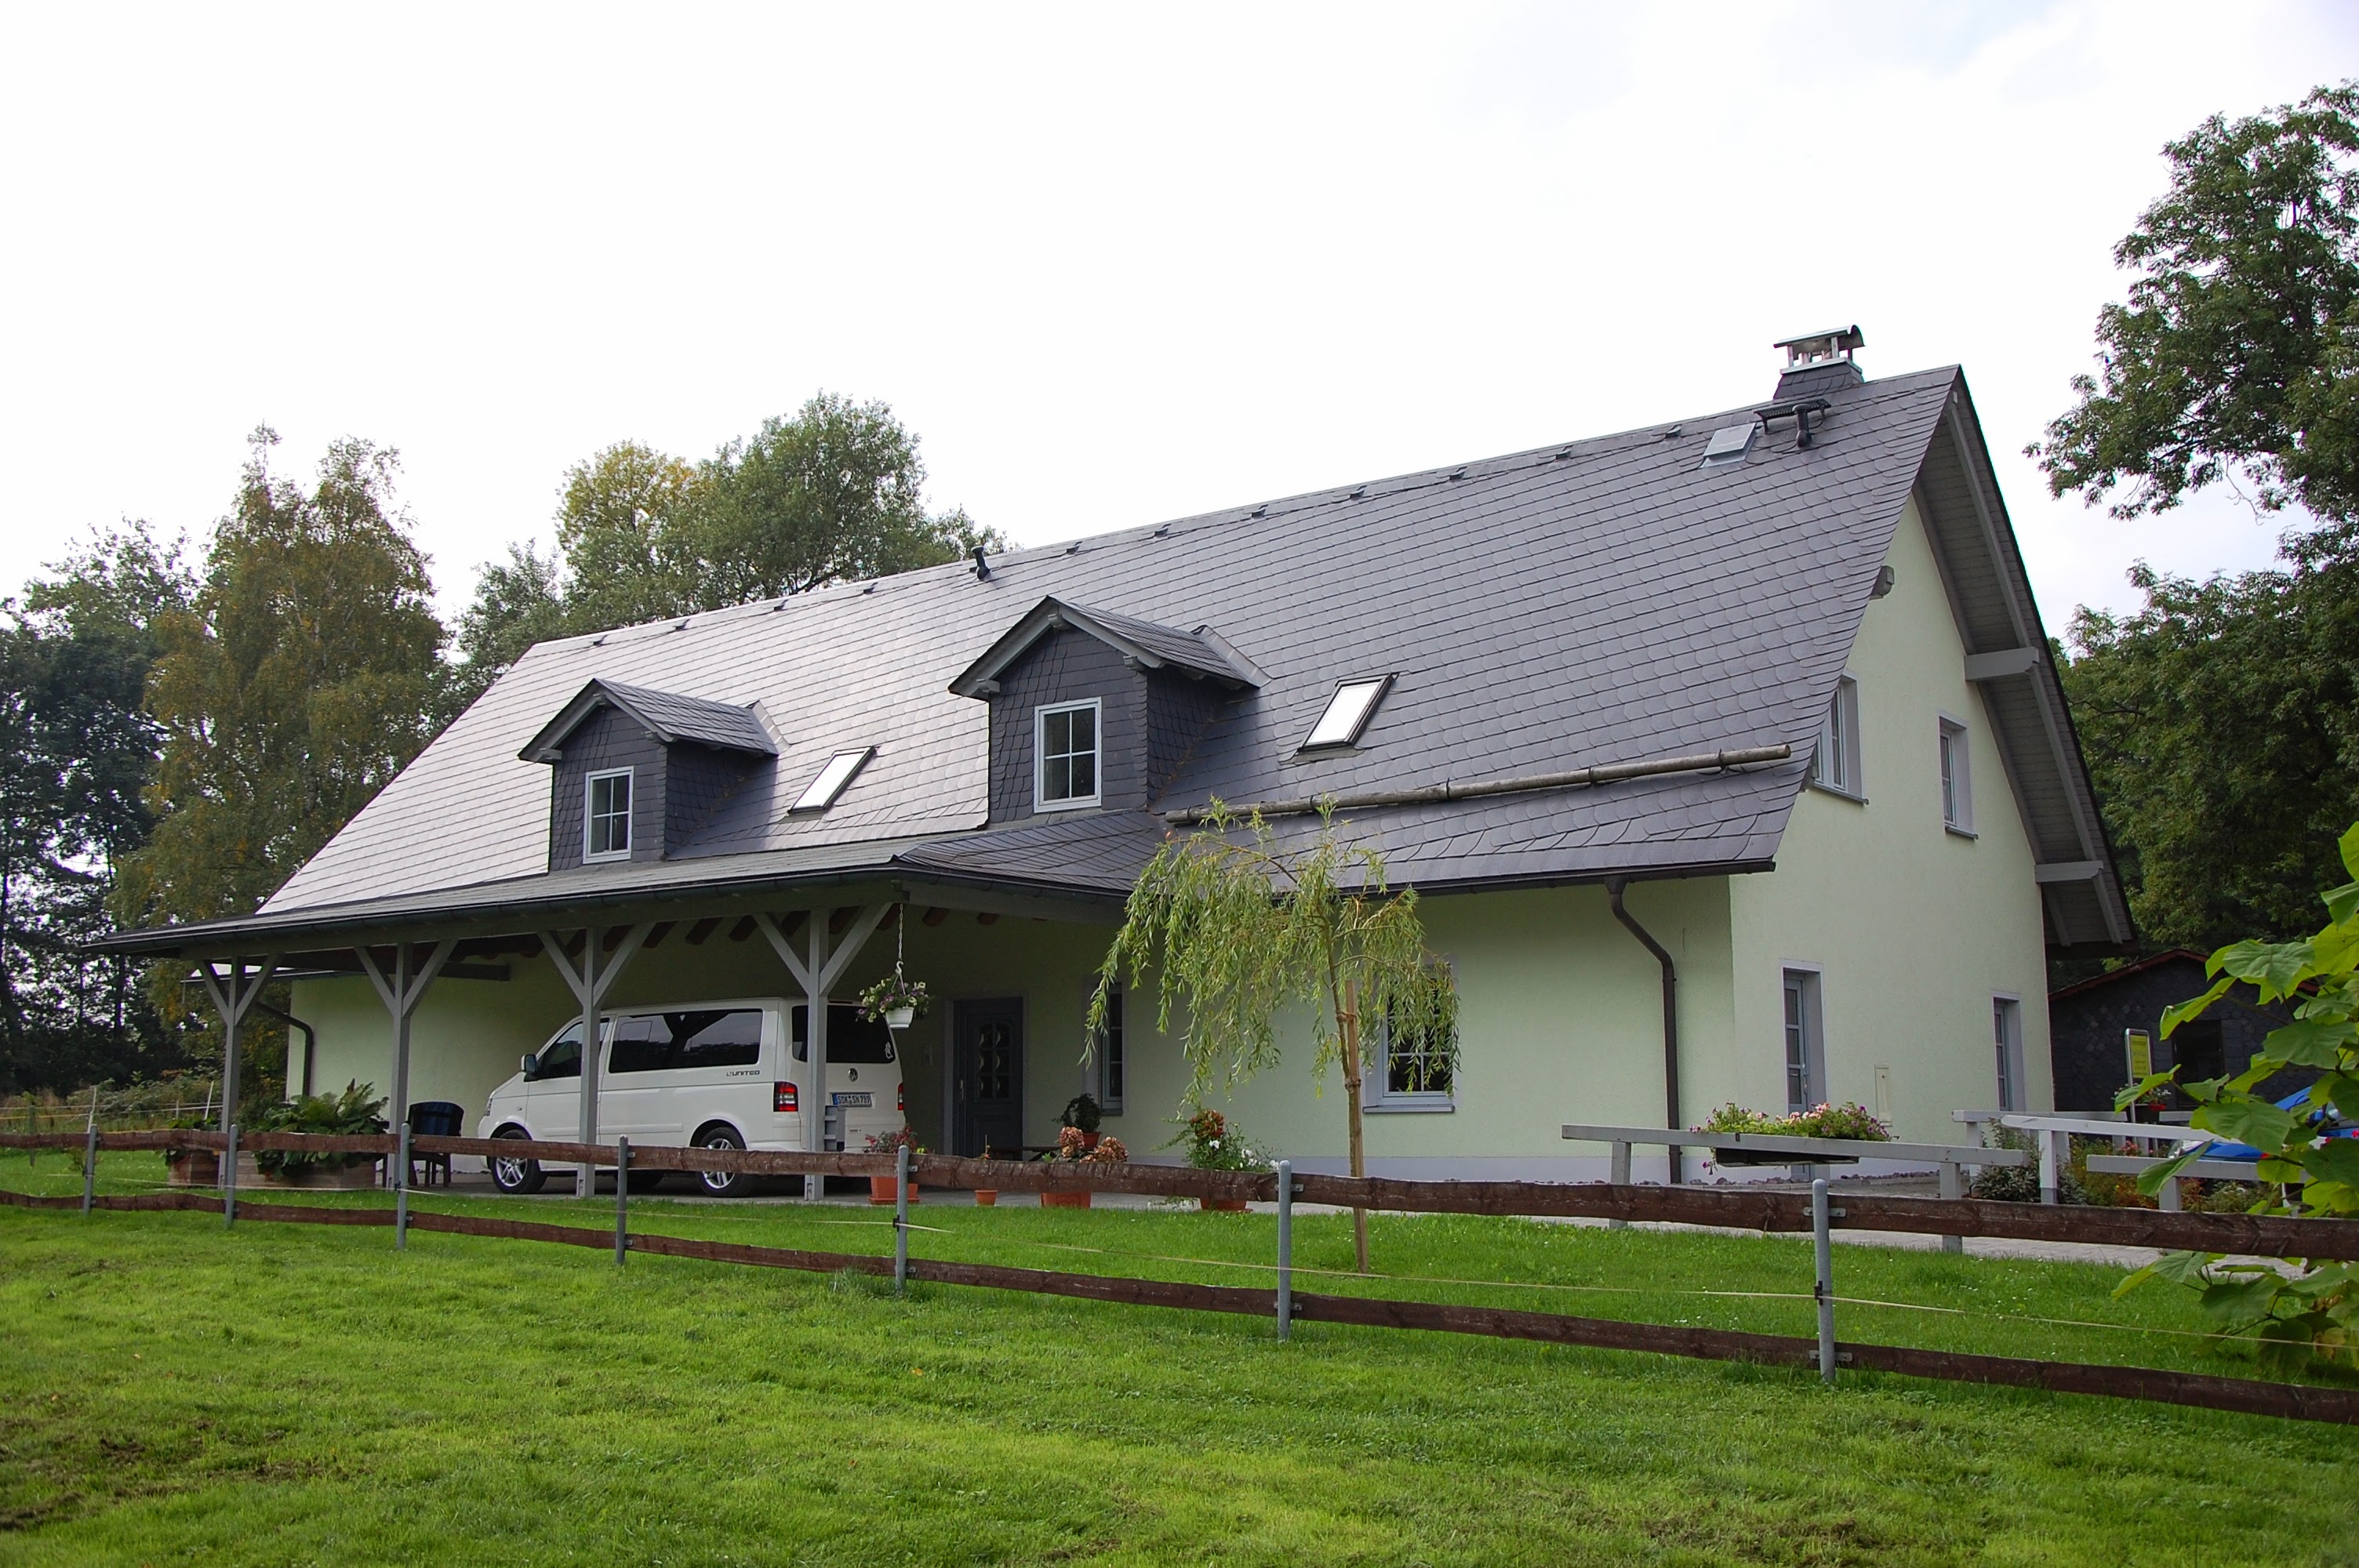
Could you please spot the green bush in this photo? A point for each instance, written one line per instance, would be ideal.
(350, 1113)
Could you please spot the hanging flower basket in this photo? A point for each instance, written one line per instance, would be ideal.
(897, 1002)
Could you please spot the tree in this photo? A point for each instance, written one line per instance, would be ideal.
(2237, 351)
(2317, 1309)
(1237, 931)
(76, 748)
(298, 681)
(2222, 734)
(831, 492)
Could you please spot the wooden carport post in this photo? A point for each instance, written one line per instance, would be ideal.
(818, 977)
(401, 993)
(234, 996)
(588, 984)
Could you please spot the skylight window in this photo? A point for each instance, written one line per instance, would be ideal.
(1347, 712)
(832, 779)
(1730, 446)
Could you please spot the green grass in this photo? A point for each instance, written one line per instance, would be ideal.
(278, 1394)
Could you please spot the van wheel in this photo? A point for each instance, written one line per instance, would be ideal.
(720, 1184)
(518, 1177)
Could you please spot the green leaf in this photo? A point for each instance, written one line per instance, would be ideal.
(2276, 968)
(2349, 846)
(2133, 1281)
(2150, 1180)
(2312, 1043)
(2125, 1098)
(2252, 1122)
(2334, 1160)
(2241, 1299)
(2180, 1012)
(2342, 902)
(2182, 1267)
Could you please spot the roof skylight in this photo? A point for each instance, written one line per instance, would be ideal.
(1347, 712)
(832, 779)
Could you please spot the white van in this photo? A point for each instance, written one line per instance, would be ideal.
(717, 1074)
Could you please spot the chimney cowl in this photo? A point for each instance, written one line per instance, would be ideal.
(1819, 362)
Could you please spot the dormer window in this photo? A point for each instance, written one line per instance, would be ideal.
(1065, 745)
(607, 816)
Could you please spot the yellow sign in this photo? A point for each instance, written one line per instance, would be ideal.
(2140, 1046)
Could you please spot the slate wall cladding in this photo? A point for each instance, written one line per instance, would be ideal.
(607, 739)
(2085, 1025)
(698, 780)
(1150, 720)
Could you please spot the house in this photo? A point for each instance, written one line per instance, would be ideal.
(1727, 755)
(2088, 1022)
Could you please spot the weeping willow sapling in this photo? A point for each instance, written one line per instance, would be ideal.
(1237, 929)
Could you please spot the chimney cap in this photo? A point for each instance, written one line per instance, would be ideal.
(1818, 348)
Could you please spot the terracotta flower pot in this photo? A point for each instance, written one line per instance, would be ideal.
(1066, 1200)
(1222, 1206)
(887, 1189)
(986, 1197)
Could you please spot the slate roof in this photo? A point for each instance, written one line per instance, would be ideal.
(666, 715)
(1599, 601)
(1151, 643)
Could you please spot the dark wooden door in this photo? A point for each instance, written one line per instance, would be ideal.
(987, 1078)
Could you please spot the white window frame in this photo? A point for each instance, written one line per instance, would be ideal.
(1954, 770)
(1348, 739)
(1040, 716)
(1378, 1097)
(825, 790)
(1812, 1029)
(589, 783)
(2006, 1051)
(1110, 1053)
(1835, 761)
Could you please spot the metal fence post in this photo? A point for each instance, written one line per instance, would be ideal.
(90, 1164)
(401, 1194)
(1952, 1186)
(622, 1199)
(901, 1221)
(1824, 1289)
(229, 1179)
(1285, 1246)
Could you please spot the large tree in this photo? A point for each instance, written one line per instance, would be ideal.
(76, 748)
(302, 676)
(2237, 350)
(830, 493)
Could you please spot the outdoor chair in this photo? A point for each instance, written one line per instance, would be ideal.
(433, 1118)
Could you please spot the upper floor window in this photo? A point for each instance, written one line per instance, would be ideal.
(1835, 764)
(607, 816)
(1957, 779)
(1065, 749)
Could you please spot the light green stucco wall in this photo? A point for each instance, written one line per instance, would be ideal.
(1915, 929)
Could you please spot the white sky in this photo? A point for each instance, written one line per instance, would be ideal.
(1111, 264)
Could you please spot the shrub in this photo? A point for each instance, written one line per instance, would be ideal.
(350, 1113)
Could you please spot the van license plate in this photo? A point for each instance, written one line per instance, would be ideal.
(855, 1099)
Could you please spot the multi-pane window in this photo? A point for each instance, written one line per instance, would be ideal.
(1111, 1068)
(1805, 1053)
(1834, 763)
(606, 817)
(1957, 779)
(1066, 744)
(2007, 1041)
(1419, 1048)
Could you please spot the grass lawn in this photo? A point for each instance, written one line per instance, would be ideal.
(279, 1394)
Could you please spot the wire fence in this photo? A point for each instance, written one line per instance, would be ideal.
(1719, 1207)
(163, 1103)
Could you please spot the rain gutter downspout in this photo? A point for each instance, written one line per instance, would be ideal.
(1614, 886)
(310, 1039)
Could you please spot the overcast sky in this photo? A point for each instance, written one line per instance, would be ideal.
(1111, 264)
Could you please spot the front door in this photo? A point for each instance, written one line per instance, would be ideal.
(987, 1079)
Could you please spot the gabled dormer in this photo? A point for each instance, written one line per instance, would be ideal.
(635, 773)
(1091, 711)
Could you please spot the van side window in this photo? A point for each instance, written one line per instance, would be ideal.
(849, 1037)
(717, 1039)
(561, 1058)
(640, 1045)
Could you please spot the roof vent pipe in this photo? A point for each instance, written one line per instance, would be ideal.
(982, 567)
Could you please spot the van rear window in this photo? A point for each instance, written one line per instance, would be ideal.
(849, 1037)
(657, 1042)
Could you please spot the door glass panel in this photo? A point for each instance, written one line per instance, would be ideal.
(640, 1045)
(562, 1059)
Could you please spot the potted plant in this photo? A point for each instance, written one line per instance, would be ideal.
(896, 1000)
(353, 1112)
(1846, 1121)
(192, 1167)
(887, 1189)
(1215, 1144)
(1073, 1148)
(1082, 1111)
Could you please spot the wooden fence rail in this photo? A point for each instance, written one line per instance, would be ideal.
(1736, 1207)
(2243, 1395)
